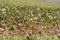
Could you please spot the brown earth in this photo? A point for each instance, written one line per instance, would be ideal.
(28, 30)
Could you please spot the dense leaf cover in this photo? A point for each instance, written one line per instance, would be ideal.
(30, 15)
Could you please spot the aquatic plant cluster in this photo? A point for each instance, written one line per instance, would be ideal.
(28, 15)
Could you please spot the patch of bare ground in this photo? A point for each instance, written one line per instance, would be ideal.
(28, 30)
